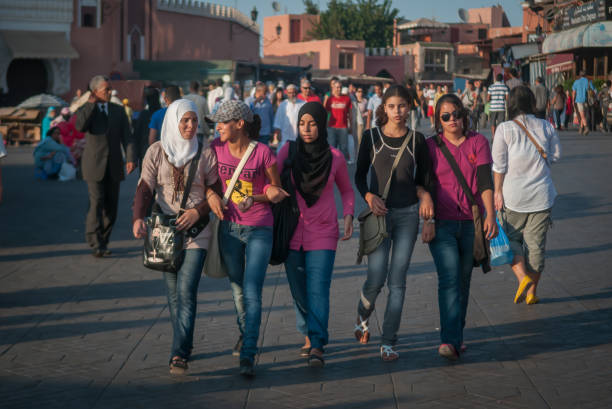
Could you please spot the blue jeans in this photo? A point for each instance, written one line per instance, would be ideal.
(402, 228)
(557, 114)
(309, 275)
(338, 138)
(452, 251)
(183, 299)
(246, 252)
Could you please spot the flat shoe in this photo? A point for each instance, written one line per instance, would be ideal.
(448, 351)
(315, 361)
(387, 353)
(532, 299)
(525, 285)
(305, 351)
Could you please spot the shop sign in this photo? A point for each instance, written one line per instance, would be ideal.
(590, 12)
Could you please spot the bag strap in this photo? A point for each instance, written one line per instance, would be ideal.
(238, 170)
(192, 170)
(395, 162)
(458, 174)
(531, 138)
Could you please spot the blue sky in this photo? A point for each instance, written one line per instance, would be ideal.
(442, 10)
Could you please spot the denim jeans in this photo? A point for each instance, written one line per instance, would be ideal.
(557, 114)
(309, 275)
(246, 252)
(402, 228)
(452, 251)
(183, 299)
(338, 138)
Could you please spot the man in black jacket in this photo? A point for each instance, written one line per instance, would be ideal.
(106, 129)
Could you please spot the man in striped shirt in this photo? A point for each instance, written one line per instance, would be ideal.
(498, 95)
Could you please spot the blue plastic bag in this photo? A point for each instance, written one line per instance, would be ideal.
(501, 253)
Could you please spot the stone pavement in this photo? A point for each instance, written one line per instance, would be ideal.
(79, 332)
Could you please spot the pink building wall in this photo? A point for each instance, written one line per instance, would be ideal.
(167, 36)
(396, 65)
(324, 54)
(493, 16)
(188, 37)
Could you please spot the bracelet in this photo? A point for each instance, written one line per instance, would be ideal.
(430, 221)
(266, 187)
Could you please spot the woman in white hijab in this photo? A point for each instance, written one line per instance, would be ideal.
(165, 171)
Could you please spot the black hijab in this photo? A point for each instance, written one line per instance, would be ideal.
(313, 161)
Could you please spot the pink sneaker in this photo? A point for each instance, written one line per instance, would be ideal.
(448, 351)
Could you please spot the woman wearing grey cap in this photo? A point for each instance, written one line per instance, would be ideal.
(245, 235)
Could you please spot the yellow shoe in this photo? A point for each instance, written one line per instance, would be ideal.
(525, 285)
(532, 299)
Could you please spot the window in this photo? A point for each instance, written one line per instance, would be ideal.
(346, 61)
(294, 31)
(482, 33)
(436, 60)
(88, 16)
(469, 31)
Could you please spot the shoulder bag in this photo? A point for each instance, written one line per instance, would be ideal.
(373, 228)
(214, 266)
(481, 246)
(541, 150)
(164, 244)
(286, 213)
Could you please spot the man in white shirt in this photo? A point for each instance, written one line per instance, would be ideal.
(285, 120)
(214, 94)
(202, 105)
(430, 94)
(373, 104)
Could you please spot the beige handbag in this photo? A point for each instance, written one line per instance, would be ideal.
(373, 228)
(214, 266)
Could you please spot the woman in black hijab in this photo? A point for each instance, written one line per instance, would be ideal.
(315, 168)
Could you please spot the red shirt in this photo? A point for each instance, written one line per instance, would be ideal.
(340, 109)
(311, 98)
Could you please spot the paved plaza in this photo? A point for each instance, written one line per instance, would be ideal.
(80, 332)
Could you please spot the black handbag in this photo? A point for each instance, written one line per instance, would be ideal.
(164, 244)
(286, 213)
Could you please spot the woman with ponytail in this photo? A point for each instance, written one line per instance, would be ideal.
(245, 236)
(410, 184)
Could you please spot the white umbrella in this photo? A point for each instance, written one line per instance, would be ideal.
(42, 101)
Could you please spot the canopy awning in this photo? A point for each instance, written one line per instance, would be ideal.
(590, 35)
(39, 44)
(559, 63)
(520, 51)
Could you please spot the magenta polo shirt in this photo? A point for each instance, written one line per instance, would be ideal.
(451, 202)
(317, 227)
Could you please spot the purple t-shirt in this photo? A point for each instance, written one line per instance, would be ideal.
(451, 202)
(251, 182)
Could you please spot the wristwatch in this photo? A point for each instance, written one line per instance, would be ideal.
(430, 221)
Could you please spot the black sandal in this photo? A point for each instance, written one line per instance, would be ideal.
(305, 351)
(178, 365)
(315, 361)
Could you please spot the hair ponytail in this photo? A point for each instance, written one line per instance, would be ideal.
(253, 128)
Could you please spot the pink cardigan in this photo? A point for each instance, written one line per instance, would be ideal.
(317, 228)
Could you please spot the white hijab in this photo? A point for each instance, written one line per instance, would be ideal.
(179, 150)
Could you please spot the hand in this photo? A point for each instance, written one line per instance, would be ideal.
(216, 205)
(376, 204)
(490, 227)
(426, 208)
(129, 167)
(348, 227)
(139, 228)
(92, 98)
(187, 219)
(428, 233)
(275, 194)
(246, 203)
(498, 199)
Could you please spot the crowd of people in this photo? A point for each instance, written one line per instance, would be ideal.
(290, 144)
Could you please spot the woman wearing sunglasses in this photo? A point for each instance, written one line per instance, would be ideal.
(451, 238)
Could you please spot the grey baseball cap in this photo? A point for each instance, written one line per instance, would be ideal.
(232, 110)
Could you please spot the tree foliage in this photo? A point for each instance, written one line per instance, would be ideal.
(311, 7)
(369, 20)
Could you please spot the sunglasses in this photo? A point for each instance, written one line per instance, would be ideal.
(447, 115)
(305, 87)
